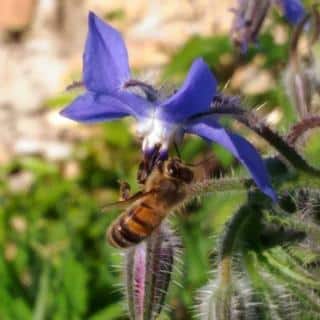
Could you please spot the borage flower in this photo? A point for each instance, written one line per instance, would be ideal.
(161, 121)
(250, 15)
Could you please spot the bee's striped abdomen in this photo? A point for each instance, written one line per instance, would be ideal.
(133, 226)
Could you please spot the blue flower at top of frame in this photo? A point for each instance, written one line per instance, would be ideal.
(293, 10)
(161, 121)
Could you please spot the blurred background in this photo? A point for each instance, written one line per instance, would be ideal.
(55, 174)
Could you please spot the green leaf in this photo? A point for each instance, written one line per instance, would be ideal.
(113, 311)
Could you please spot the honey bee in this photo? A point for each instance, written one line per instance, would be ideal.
(165, 189)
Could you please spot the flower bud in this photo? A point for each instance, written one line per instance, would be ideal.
(148, 272)
(248, 20)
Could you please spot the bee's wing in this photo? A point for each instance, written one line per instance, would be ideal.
(123, 204)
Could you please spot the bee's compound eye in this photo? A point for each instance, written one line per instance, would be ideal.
(172, 170)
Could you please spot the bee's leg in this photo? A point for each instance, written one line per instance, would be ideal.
(142, 173)
(147, 164)
(125, 190)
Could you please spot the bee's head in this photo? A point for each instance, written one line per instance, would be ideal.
(173, 168)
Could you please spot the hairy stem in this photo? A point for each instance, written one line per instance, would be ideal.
(293, 180)
(287, 272)
(230, 240)
(299, 180)
(222, 103)
(299, 129)
(220, 185)
(281, 145)
(42, 296)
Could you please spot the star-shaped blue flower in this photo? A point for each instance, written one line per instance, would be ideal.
(161, 121)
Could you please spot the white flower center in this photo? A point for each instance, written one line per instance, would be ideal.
(156, 133)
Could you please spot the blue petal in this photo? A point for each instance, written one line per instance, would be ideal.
(137, 106)
(95, 107)
(91, 107)
(293, 10)
(210, 130)
(193, 97)
(105, 59)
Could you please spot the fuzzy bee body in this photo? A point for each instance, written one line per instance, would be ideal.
(165, 189)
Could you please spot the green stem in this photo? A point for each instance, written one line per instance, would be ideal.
(300, 180)
(261, 288)
(289, 273)
(298, 292)
(300, 128)
(42, 297)
(308, 227)
(220, 185)
(229, 242)
(293, 180)
(250, 120)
